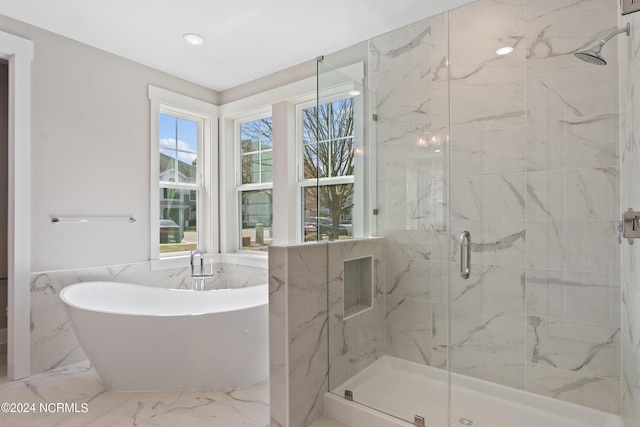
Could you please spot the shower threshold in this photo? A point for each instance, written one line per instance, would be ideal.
(407, 389)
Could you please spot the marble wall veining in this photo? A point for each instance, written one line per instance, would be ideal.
(630, 197)
(357, 341)
(53, 343)
(535, 178)
(522, 151)
(302, 280)
(407, 72)
(298, 322)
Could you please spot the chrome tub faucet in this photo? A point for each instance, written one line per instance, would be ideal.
(197, 279)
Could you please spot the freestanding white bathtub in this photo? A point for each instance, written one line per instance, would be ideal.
(141, 338)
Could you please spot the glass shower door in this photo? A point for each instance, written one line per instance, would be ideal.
(389, 358)
(490, 170)
(534, 181)
(408, 73)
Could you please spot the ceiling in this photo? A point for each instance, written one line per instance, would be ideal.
(245, 39)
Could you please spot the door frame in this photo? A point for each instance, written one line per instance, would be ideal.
(19, 54)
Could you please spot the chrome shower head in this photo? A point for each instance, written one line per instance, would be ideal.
(592, 56)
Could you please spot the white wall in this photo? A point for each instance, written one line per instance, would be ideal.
(90, 150)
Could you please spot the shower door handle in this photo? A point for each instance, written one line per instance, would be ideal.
(465, 254)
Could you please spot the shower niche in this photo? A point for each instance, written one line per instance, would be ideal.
(358, 286)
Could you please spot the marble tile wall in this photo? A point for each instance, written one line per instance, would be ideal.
(542, 212)
(409, 77)
(53, 343)
(359, 340)
(297, 333)
(300, 352)
(630, 197)
(535, 179)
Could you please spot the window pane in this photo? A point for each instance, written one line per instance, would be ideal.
(324, 159)
(333, 155)
(342, 118)
(266, 166)
(310, 160)
(187, 154)
(168, 126)
(248, 146)
(309, 230)
(178, 149)
(342, 151)
(167, 166)
(323, 127)
(256, 143)
(309, 134)
(251, 168)
(178, 220)
(188, 136)
(167, 129)
(256, 219)
(256, 135)
(332, 216)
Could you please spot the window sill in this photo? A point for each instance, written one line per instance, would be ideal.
(168, 263)
(247, 259)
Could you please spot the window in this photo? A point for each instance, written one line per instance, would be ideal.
(254, 139)
(261, 201)
(327, 172)
(183, 152)
(179, 180)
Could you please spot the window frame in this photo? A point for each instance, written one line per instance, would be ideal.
(238, 148)
(163, 101)
(303, 183)
(281, 102)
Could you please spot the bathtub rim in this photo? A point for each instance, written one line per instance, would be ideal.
(69, 288)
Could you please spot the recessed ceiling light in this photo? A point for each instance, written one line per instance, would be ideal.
(504, 50)
(193, 38)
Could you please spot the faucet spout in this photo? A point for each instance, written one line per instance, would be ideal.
(197, 279)
(200, 254)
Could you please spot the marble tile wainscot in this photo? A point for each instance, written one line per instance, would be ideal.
(298, 324)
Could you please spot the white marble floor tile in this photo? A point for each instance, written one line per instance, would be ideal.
(327, 422)
(88, 403)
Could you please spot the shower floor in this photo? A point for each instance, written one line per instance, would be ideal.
(405, 389)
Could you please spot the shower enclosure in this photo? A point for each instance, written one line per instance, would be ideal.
(488, 162)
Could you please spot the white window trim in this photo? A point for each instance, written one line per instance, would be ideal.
(335, 86)
(162, 99)
(287, 185)
(284, 181)
(336, 93)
